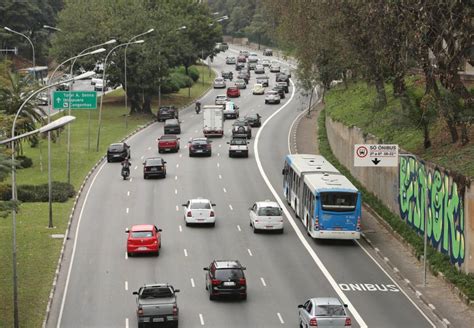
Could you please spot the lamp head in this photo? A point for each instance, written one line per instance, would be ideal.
(8, 29)
(110, 41)
(84, 75)
(97, 51)
(150, 30)
(138, 41)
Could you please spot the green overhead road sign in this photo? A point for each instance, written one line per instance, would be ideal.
(74, 99)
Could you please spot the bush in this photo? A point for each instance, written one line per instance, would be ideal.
(61, 191)
(24, 162)
(169, 86)
(182, 80)
(193, 72)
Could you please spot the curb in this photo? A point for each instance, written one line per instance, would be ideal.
(71, 215)
(397, 272)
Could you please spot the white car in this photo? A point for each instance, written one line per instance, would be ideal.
(274, 67)
(230, 60)
(253, 58)
(259, 69)
(221, 100)
(258, 89)
(238, 147)
(199, 210)
(99, 86)
(265, 62)
(266, 215)
(272, 97)
(219, 83)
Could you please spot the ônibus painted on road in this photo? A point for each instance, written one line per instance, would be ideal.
(327, 203)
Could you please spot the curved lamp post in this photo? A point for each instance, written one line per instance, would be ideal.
(125, 77)
(46, 128)
(52, 28)
(50, 191)
(104, 84)
(68, 160)
(29, 40)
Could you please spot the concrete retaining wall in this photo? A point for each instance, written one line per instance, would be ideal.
(405, 190)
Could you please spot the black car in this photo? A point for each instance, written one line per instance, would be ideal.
(284, 85)
(239, 66)
(268, 52)
(282, 77)
(253, 120)
(154, 167)
(200, 146)
(227, 75)
(281, 91)
(241, 129)
(226, 278)
(172, 126)
(118, 152)
(166, 112)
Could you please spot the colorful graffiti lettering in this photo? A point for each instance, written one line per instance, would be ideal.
(430, 195)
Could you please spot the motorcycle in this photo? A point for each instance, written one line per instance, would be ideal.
(125, 172)
(198, 108)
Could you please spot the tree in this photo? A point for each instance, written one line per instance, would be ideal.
(5, 169)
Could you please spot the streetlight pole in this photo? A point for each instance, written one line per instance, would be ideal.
(50, 189)
(16, 321)
(125, 70)
(29, 40)
(104, 84)
(68, 161)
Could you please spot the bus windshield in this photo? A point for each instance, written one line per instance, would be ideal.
(338, 201)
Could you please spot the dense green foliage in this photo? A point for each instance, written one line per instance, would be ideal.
(61, 191)
(438, 262)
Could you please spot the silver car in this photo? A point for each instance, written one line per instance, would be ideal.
(274, 67)
(259, 69)
(272, 97)
(221, 100)
(219, 83)
(328, 312)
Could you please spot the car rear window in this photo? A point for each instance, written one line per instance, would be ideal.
(326, 310)
(168, 137)
(269, 211)
(238, 142)
(142, 234)
(226, 274)
(200, 206)
(153, 162)
(116, 147)
(156, 292)
(199, 142)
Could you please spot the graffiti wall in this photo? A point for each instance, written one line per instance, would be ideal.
(430, 195)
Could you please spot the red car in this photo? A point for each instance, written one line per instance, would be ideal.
(241, 59)
(233, 92)
(143, 239)
(168, 142)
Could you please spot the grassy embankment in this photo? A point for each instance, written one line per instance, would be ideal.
(37, 252)
(354, 108)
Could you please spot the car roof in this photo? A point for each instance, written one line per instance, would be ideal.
(169, 136)
(143, 227)
(267, 203)
(271, 92)
(199, 200)
(258, 84)
(172, 121)
(153, 159)
(221, 96)
(227, 264)
(326, 301)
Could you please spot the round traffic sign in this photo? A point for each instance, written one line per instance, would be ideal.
(362, 151)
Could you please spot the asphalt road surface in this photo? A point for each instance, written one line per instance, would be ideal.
(97, 279)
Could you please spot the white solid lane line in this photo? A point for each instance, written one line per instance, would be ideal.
(238, 228)
(192, 283)
(126, 285)
(231, 208)
(185, 252)
(250, 252)
(281, 319)
(201, 318)
(263, 282)
(294, 225)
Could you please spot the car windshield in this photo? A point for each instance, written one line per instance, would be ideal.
(116, 147)
(153, 162)
(327, 310)
(226, 274)
(200, 206)
(271, 93)
(238, 142)
(338, 201)
(219, 80)
(269, 211)
(156, 292)
(142, 234)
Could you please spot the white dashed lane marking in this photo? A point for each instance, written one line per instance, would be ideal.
(281, 319)
(126, 285)
(185, 252)
(201, 318)
(220, 176)
(263, 282)
(127, 210)
(126, 323)
(250, 252)
(135, 167)
(177, 208)
(231, 208)
(176, 191)
(131, 179)
(177, 165)
(192, 283)
(238, 228)
(180, 228)
(218, 164)
(176, 177)
(142, 157)
(128, 193)
(149, 148)
(224, 189)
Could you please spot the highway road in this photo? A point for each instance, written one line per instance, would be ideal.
(97, 279)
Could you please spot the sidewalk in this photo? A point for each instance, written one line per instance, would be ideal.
(438, 298)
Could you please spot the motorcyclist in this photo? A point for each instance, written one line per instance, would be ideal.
(126, 168)
(198, 107)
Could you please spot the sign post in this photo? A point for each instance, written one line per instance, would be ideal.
(74, 100)
(373, 155)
